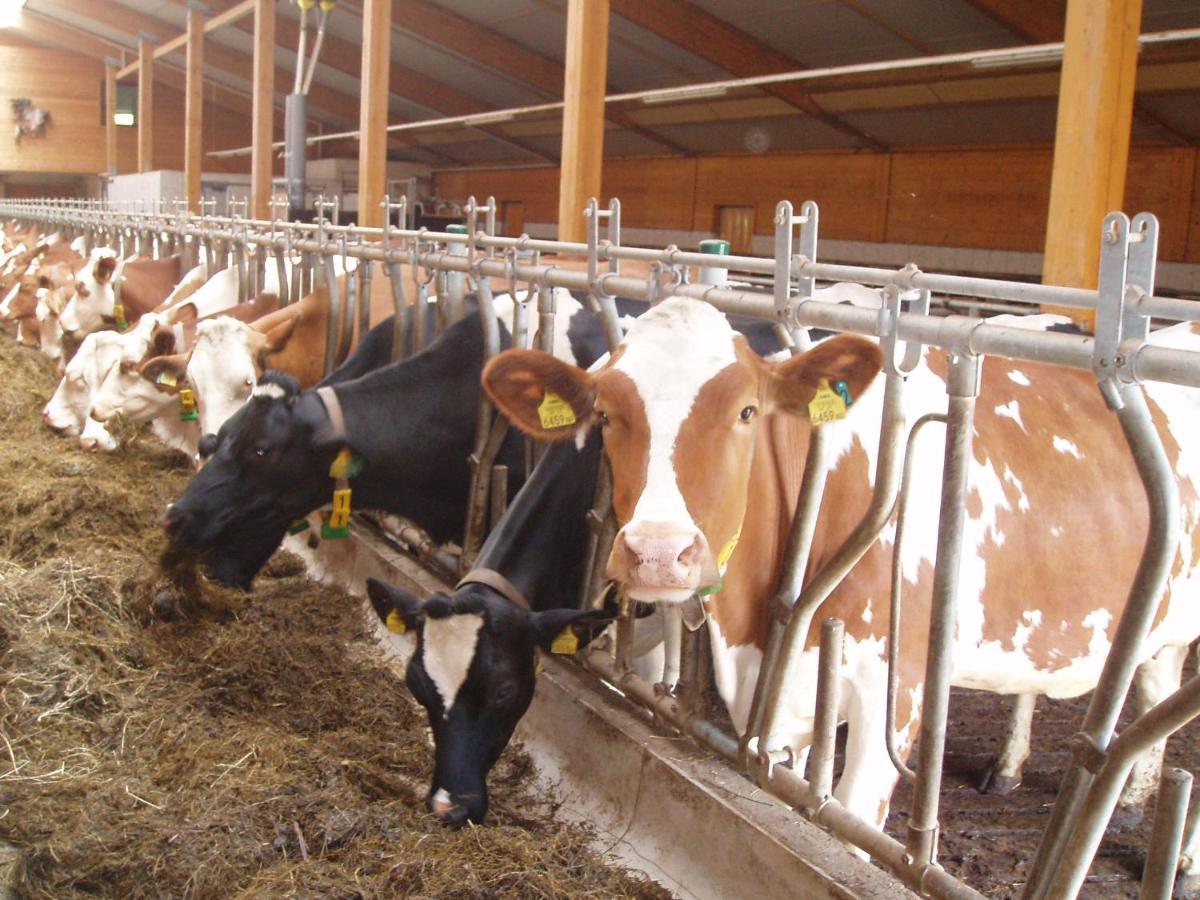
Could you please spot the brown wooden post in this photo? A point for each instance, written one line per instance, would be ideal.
(193, 133)
(583, 114)
(110, 108)
(1091, 144)
(262, 158)
(145, 116)
(373, 110)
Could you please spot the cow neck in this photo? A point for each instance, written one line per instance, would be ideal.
(537, 551)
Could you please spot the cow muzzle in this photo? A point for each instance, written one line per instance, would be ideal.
(456, 811)
(660, 561)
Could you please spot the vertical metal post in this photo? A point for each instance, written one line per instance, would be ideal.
(1162, 854)
(295, 149)
(962, 387)
(825, 723)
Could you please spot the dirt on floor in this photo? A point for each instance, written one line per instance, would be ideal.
(256, 747)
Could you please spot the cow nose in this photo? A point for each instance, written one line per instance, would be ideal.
(658, 554)
(89, 443)
(448, 810)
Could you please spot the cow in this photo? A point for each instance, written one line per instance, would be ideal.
(67, 411)
(704, 439)
(145, 284)
(414, 435)
(135, 390)
(474, 666)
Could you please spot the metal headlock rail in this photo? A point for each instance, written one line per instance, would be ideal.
(1119, 355)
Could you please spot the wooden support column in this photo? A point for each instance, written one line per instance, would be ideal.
(262, 128)
(1091, 143)
(145, 115)
(373, 110)
(110, 109)
(583, 114)
(193, 129)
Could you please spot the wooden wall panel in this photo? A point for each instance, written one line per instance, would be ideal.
(850, 189)
(654, 193)
(1193, 243)
(68, 86)
(994, 199)
(1160, 180)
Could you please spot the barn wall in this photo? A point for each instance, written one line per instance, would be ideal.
(993, 198)
(70, 86)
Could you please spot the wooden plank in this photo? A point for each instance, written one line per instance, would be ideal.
(1091, 150)
(373, 111)
(193, 130)
(110, 112)
(235, 13)
(583, 114)
(145, 123)
(262, 124)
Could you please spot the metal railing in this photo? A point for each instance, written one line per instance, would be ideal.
(1119, 355)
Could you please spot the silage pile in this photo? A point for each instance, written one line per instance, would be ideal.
(263, 751)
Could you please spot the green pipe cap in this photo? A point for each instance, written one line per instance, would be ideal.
(715, 246)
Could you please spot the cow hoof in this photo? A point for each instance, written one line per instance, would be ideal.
(995, 783)
(164, 606)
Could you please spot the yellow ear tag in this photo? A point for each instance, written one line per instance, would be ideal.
(187, 406)
(566, 644)
(727, 550)
(827, 405)
(167, 378)
(339, 516)
(119, 315)
(395, 623)
(555, 412)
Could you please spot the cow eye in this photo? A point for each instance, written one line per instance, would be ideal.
(505, 693)
(261, 450)
(602, 417)
(748, 413)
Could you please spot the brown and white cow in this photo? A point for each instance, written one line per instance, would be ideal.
(707, 443)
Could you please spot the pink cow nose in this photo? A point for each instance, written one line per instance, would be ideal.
(657, 554)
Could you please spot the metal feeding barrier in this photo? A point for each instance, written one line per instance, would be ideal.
(781, 290)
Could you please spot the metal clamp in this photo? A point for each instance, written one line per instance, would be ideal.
(889, 331)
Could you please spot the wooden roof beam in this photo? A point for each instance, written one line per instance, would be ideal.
(694, 29)
(1045, 21)
(442, 27)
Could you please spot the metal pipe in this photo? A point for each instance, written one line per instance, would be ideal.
(326, 6)
(1148, 729)
(672, 645)
(821, 585)
(962, 387)
(799, 548)
(298, 82)
(400, 309)
(1161, 545)
(897, 580)
(1162, 853)
(825, 721)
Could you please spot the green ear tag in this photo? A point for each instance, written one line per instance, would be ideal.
(300, 525)
(566, 644)
(843, 391)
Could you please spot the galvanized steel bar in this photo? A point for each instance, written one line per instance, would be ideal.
(1162, 853)
(962, 389)
(825, 722)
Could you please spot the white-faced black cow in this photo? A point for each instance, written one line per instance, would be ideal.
(473, 669)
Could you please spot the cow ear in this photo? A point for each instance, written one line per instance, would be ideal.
(184, 312)
(398, 609)
(540, 394)
(849, 359)
(581, 624)
(163, 342)
(278, 337)
(172, 368)
(105, 266)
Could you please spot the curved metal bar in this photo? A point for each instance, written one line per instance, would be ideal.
(893, 682)
(400, 309)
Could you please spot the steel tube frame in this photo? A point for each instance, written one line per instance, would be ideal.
(1162, 855)
(959, 335)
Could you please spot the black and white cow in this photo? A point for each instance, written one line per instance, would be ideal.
(473, 669)
(412, 424)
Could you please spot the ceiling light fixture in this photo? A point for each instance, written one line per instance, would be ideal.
(682, 95)
(1018, 58)
(10, 12)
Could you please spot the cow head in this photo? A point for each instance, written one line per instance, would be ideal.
(223, 369)
(267, 466)
(125, 388)
(681, 402)
(93, 299)
(474, 672)
(67, 412)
